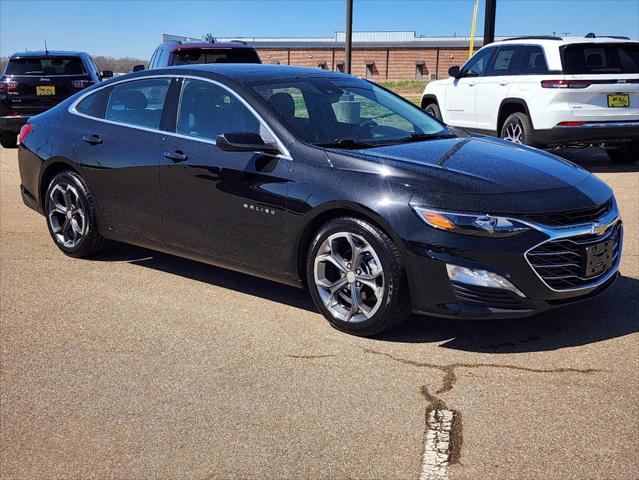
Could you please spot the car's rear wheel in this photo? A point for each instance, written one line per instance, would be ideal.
(432, 109)
(518, 129)
(71, 216)
(626, 154)
(8, 139)
(356, 277)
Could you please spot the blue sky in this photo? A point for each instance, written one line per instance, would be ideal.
(134, 28)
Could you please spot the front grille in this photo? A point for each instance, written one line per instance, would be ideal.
(570, 217)
(563, 264)
(486, 296)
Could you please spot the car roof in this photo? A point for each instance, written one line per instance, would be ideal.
(557, 41)
(173, 46)
(49, 53)
(250, 72)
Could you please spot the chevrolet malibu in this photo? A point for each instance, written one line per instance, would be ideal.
(324, 181)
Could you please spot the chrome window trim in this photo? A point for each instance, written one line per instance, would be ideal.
(566, 232)
(285, 154)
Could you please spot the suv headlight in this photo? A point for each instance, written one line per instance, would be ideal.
(471, 224)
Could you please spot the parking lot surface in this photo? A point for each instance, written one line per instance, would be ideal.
(137, 364)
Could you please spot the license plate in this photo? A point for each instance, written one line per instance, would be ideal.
(618, 100)
(599, 258)
(45, 90)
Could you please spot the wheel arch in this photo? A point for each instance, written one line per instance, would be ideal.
(50, 170)
(324, 214)
(507, 107)
(429, 99)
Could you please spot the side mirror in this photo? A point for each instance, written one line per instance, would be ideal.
(138, 68)
(244, 142)
(454, 72)
(106, 74)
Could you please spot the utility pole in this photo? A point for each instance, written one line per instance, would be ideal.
(489, 21)
(349, 36)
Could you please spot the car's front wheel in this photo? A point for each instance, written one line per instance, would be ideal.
(8, 139)
(432, 109)
(626, 154)
(518, 129)
(71, 216)
(356, 277)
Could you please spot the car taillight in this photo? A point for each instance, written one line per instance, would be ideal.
(565, 83)
(80, 83)
(24, 131)
(8, 86)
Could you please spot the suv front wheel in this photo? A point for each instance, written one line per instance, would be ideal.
(518, 129)
(8, 139)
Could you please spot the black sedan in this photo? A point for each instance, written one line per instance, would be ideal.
(324, 181)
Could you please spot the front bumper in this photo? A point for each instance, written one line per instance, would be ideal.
(433, 292)
(589, 133)
(13, 123)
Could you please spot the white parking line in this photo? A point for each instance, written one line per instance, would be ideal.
(437, 445)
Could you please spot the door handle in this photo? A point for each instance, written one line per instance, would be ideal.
(92, 139)
(471, 84)
(503, 83)
(177, 156)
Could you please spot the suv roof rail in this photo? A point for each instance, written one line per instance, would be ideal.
(533, 37)
(239, 41)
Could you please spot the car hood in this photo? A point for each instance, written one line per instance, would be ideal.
(465, 164)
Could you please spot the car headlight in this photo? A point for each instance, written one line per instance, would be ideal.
(471, 224)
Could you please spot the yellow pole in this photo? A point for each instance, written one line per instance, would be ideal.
(472, 29)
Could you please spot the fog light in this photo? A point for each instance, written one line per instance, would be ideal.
(481, 278)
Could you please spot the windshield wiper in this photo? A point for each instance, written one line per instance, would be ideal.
(418, 137)
(345, 143)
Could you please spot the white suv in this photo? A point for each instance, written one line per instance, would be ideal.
(547, 91)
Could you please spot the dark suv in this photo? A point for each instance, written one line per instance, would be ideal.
(175, 52)
(36, 81)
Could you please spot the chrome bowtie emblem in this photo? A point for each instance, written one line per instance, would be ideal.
(621, 80)
(598, 228)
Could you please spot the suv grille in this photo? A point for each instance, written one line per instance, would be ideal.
(575, 262)
(570, 217)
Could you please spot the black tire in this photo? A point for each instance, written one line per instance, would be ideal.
(394, 306)
(8, 139)
(518, 125)
(432, 109)
(627, 154)
(90, 241)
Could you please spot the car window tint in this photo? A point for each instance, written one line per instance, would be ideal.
(532, 61)
(139, 102)
(49, 66)
(591, 58)
(476, 66)
(503, 61)
(87, 104)
(301, 111)
(213, 55)
(207, 110)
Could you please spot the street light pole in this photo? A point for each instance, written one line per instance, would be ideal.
(489, 21)
(349, 36)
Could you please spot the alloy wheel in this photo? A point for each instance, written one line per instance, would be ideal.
(514, 133)
(66, 215)
(349, 277)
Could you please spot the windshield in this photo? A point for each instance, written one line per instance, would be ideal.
(346, 112)
(45, 66)
(215, 55)
(593, 58)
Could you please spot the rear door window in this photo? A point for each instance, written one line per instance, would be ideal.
(49, 66)
(601, 58)
(531, 61)
(138, 102)
(503, 62)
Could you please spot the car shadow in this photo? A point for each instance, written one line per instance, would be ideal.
(613, 314)
(595, 160)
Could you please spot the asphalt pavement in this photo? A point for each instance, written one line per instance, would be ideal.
(137, 364)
